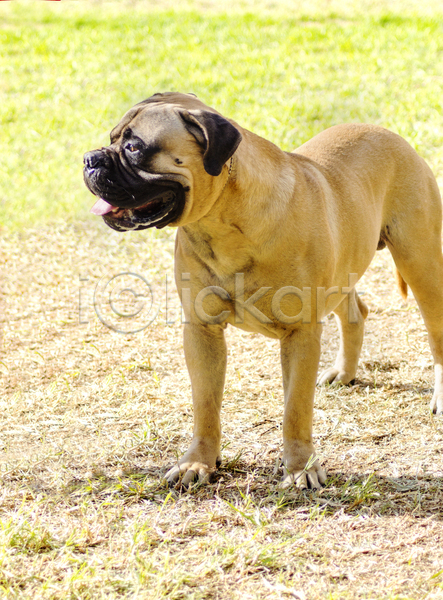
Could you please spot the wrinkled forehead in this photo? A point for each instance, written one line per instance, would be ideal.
(150, 123)
(158, 122)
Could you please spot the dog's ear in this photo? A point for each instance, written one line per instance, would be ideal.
(217, 136)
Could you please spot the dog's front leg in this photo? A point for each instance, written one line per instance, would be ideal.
(205, 353)
(300, 354)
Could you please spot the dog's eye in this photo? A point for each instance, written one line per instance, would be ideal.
(131, 148)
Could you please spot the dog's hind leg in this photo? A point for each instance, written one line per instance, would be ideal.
(416, 246)
(425, 278)
(350, 315)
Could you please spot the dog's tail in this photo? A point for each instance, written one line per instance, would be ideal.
(402, 285)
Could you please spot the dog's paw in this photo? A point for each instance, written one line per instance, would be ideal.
(335, 376)
(185, 474)
(437, 404)
(197, 465)
(310, 479)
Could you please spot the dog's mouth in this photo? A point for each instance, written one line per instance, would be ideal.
(165, 207)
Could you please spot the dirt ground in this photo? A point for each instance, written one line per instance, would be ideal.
(91, 417)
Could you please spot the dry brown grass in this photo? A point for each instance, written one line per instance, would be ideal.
(90, 419)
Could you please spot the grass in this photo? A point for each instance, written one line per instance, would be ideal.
(69, 72)
(90, 419)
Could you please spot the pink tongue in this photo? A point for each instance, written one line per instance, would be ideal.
(101, 207)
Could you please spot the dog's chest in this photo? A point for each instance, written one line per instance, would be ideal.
(223, 255)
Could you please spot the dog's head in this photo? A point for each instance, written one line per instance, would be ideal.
(162, 162)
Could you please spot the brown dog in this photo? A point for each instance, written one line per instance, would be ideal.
(270, 242)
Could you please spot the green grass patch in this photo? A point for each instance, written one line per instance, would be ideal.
(69, 72)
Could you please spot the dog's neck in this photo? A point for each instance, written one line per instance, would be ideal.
(238, 227)
(261, 175)
(231, 162)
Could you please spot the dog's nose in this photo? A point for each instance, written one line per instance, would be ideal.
(94, 159)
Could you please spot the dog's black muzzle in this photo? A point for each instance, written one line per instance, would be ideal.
(142, 202)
